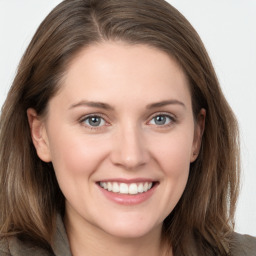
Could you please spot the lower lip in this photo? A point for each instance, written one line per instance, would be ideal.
(127, 199)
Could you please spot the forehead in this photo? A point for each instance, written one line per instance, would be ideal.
(119, 69)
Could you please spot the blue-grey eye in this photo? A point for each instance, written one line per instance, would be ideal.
(160, 120)
(94, 121)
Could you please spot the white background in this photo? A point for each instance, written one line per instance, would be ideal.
(228, 29)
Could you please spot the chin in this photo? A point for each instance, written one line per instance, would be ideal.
(131, 231)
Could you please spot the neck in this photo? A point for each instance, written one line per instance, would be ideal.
(87, 239)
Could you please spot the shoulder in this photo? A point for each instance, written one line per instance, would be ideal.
(12, 246)
(243, 245)
(4, 248)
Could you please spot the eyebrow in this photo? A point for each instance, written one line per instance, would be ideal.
(164, 103)
(96, 104)
(93, 104)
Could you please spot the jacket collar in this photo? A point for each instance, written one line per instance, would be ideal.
(61, 244)
(16, 247)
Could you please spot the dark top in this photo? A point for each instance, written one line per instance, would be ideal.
(241, 245)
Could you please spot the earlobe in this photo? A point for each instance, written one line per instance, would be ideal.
(39, 135)
(199, 130)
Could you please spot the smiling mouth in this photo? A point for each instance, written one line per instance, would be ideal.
(127, 189)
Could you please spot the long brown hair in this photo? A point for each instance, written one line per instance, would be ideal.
(30, 196)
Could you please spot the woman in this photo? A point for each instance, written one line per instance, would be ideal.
(116, 139)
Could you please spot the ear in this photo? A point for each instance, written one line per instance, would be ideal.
(39, 135)
(198, 134)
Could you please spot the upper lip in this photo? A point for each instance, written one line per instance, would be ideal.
(128, 181)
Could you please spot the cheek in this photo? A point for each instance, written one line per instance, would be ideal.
(74, 155)
(173, 152)
(173, 157)
(75, 159)
(175, 163)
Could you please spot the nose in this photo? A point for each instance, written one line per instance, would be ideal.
(129, 148)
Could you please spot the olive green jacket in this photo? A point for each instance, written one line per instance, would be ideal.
(242, 245)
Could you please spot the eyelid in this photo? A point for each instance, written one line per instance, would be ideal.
(169, 115)
(107, 123)
(83, 119)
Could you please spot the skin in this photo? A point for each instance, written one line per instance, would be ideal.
(129, 143)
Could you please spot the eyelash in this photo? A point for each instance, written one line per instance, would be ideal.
(165, 115)
(84, 119)
(100, 116)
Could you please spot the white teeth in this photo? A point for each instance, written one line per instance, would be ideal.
(123, 188)
(140, 188)
(109, 186)
(145, 187)
(115, 187)
(133, 189)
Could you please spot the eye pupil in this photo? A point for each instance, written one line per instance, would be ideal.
(94, 121)
(160, 120)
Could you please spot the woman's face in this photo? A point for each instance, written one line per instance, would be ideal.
(121, 137)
